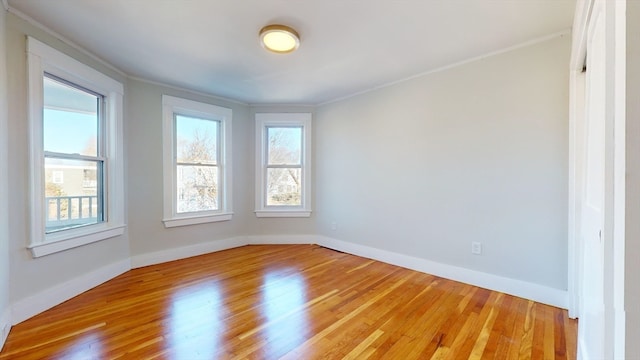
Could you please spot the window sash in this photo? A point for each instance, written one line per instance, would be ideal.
(284, 166)
(171, 108)
(219, 182)
(76, 214)
(218, 139)
(300, 188)
(100, 113)
(50, 154)
(268, 150)
(99, 159)
(285, 197)
(267, 165)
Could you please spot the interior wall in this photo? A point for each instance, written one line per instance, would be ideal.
(143, 129)
(30, 276)
(477, 152)
(4, 190)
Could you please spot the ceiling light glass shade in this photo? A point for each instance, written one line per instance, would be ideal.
(280, 39)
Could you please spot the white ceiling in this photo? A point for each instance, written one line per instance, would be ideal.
(347, 46)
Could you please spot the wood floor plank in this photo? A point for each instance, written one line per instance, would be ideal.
(517, 329)
(485, 332)
(526, 346)
(291, 302)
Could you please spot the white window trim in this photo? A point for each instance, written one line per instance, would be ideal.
(264, 120)
(173, 105)
(43, 58)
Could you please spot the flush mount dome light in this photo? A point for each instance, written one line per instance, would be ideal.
(279, 39)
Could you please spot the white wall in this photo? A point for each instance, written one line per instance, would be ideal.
(4, 190)
(29, 276)
(473, 153)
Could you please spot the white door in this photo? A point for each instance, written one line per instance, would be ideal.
(592, 323)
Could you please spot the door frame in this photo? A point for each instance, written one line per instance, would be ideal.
(615, 169)
(577, 103)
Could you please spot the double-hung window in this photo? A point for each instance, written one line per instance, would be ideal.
(197, 162)
(75, 121)
(283, 164)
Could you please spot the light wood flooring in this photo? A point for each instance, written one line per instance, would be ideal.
(291, 302)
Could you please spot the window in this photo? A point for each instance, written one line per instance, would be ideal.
(197, 162)
(75, 123)
(72, 118)
(283, 165)
(57, 177)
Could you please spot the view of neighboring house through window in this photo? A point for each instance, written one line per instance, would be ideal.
(73, 161)
(196, 162)
(283, 164)
(197, 176)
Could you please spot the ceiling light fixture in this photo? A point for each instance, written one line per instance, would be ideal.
(279, 39)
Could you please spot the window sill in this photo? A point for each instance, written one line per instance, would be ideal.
(193, 220)
(283, 213)
(71, 239)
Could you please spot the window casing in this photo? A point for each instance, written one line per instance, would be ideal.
(75, 120)
(283, 164)
(197, 162)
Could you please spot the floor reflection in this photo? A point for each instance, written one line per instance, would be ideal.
(284, 295)
(88, 346)
(196, 325)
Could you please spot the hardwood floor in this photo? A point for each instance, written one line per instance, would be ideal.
(291, 302)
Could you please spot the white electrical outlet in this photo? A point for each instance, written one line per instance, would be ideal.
(334, 226)
(476, 248)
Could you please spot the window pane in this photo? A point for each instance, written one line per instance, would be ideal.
(70, 119)
(285, 145)
(196, 140)
(72, 193)
(284, 187)
(197, 188)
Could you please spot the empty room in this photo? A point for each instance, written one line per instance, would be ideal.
(406, 179)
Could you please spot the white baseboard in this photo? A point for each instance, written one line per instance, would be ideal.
(33, 305)
(48, 298)
(527, 290)
(281, 239)
(184, 252)
(5, 326)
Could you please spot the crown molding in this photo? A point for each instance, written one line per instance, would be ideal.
(190, 91)
(532, 42)
(64, 39)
